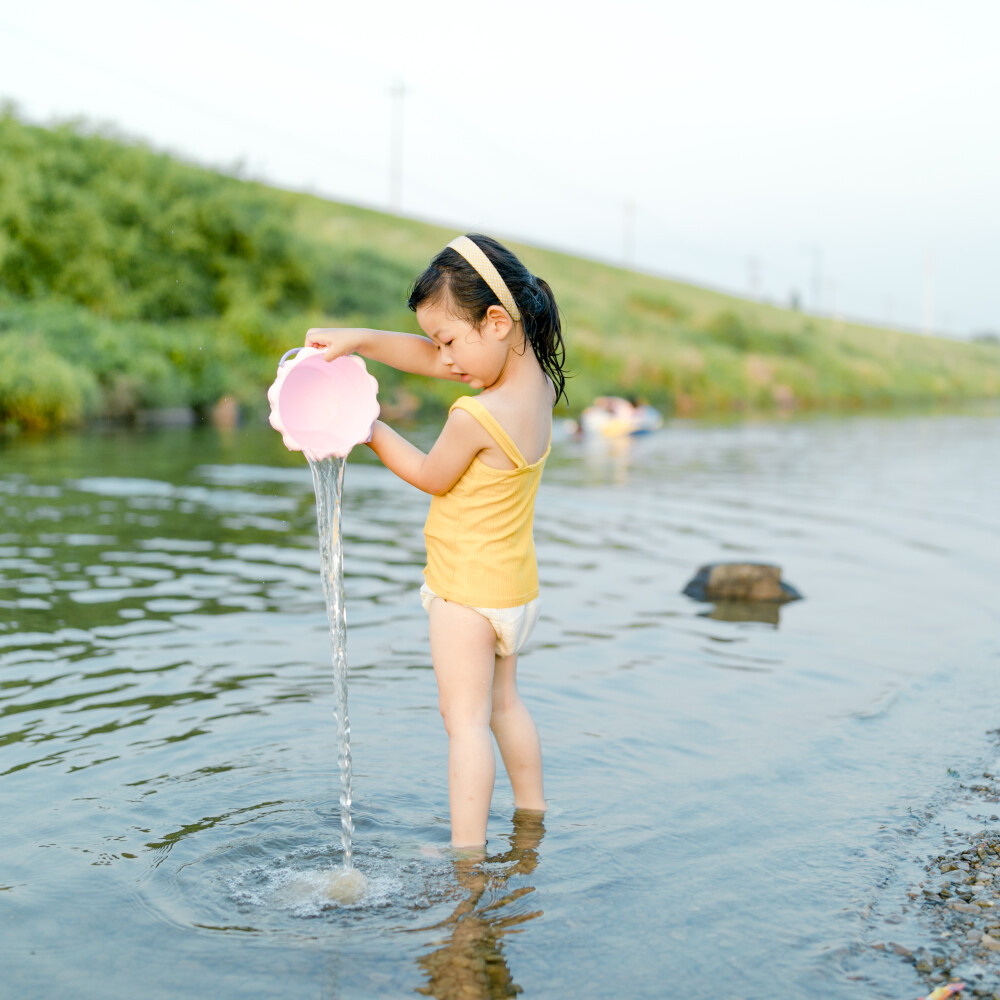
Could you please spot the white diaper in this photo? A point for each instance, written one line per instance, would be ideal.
(513, 626)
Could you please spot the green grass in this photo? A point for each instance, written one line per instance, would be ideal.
(130, 280)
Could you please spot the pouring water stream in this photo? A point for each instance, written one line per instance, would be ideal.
(347, 884)
(324, 409)
(328, 483)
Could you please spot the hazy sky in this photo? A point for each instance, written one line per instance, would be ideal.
(848, 151)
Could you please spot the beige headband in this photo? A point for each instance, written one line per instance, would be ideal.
(484, 267)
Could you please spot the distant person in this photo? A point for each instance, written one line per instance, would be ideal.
(493, 325)
(616, 406)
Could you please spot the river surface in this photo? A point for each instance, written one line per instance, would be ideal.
(738, 808)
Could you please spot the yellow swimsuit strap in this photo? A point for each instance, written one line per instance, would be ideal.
(493, 427)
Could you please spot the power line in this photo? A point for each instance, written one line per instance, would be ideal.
(184, 101)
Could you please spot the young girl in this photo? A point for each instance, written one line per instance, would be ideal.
(494, 326)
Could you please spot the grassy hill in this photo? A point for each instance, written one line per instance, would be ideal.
(130, 280)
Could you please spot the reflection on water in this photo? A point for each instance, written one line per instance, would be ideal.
(729, 800)
(469, 962)
(768, 612)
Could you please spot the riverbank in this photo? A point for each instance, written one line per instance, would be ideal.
(948, 928)
(131, 281)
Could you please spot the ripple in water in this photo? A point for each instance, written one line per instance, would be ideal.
(295, 883)
(292, 884)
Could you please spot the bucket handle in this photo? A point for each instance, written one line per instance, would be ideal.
(288, 354)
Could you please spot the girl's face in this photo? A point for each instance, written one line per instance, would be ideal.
(477, 355)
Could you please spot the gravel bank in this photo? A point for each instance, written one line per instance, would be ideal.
(959, 903)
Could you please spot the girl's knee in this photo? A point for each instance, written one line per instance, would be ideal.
(504, 695)
(462, 719)
(504, 702)
(466, 730)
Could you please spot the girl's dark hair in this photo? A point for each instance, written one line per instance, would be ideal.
(450, 277)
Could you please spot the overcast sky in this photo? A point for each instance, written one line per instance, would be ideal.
(845, 151)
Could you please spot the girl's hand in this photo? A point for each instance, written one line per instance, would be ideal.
(335, 342)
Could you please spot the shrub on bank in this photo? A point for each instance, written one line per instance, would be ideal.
(133, 234)
(39, 390)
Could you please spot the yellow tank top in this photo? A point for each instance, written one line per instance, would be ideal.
(480, 549)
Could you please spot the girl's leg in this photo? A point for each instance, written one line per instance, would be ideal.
(462, 648)
(517, 736)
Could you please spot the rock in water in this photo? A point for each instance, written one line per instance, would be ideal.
(740, 582)
(345, 885)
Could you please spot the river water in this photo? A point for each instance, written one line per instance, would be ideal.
(738, 808)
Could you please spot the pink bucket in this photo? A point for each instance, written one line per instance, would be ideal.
(323, 408)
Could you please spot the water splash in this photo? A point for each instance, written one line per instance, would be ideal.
(328, 483)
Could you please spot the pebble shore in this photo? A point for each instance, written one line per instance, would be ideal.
(959, 901)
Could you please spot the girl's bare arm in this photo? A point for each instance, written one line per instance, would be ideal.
(404, 351)
(460, 440)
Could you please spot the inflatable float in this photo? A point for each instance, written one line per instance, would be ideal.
(613, 417)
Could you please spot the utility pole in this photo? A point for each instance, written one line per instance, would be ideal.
(928, 294)
(817, 276)
(753, 276)
(398, 92)
(628, 234)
